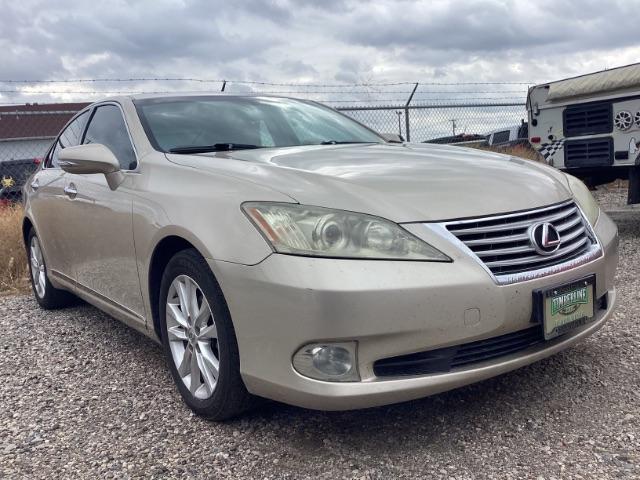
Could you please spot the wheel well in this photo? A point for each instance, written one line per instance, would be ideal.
(164, 251)
(26, 228)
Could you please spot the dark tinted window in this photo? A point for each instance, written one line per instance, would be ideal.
(108, 128)
(69, 137)
(260, 121)
(501, 137)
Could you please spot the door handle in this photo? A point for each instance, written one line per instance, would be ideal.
(71, 190)
(35, 185)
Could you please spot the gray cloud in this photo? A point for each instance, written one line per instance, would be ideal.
(442, 32)
(344, 41)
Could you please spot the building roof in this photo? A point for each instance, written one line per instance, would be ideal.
(36, 120)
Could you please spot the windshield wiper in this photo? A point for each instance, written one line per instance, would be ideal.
(336, 142)
(216, 147)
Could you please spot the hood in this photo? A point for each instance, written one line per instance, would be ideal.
(400, 182)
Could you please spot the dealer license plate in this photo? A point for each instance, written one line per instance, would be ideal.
(567, 307)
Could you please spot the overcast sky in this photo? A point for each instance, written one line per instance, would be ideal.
(307, 41)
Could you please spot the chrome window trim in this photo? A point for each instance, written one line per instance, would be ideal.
(86, 109)
(91, 109)
(95, 106)
(595, 252)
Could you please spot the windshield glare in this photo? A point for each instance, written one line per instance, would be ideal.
(261, 121)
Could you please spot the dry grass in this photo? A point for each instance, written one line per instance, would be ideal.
(522, 151)
(13, 260)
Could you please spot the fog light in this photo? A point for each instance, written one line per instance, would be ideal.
(335, 362)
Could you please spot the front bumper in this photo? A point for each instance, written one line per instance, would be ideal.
(390, 309)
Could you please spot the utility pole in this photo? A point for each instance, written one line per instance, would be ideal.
(453, 124)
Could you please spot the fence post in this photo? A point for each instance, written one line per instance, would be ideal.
(406, 113)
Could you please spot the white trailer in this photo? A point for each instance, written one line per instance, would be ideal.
(589, 125)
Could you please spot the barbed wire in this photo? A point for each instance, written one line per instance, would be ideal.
(353, 100)
(250, 82)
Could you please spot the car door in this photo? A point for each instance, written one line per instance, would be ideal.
(105, 260)
(49, 204)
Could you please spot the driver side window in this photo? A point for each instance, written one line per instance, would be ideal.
(108, 128)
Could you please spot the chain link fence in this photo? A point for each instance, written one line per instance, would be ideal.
(421, 123)
(26, 132)
(417, 112)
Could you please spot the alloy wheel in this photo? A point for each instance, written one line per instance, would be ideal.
(38, 269)
(192, 336)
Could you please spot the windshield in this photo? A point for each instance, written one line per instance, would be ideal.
(181, 124)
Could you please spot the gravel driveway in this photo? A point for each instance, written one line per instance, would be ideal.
(83, 396)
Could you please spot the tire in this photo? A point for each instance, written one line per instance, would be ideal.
(181, 334)
(47, 296)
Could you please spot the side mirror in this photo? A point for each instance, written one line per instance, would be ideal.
(90, 159)
(392, 137)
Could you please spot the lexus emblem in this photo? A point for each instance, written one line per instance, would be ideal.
(544, 238)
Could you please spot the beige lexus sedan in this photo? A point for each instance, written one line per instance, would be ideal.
(276, 248)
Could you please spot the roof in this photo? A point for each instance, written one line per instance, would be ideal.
(604, 81)
(37, 120)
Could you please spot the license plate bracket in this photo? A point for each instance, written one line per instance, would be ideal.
(564, 307)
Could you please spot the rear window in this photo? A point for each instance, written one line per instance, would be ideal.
(501, 137)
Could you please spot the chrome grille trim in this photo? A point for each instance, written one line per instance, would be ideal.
(538, 258)
(501, 243)
(498, 228)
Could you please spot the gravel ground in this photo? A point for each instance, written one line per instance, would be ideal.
(82, 396)
(612, 196)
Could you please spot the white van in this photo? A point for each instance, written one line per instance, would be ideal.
(588, 125)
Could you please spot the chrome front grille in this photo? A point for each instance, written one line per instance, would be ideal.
(503, 243)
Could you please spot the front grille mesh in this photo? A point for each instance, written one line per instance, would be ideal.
(502, 243)
(459, 356)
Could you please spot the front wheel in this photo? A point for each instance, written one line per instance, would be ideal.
(199, 340)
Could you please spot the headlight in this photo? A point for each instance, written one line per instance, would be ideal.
(303, 230)
(584, 198)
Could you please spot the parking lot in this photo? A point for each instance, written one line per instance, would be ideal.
(83, 396)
